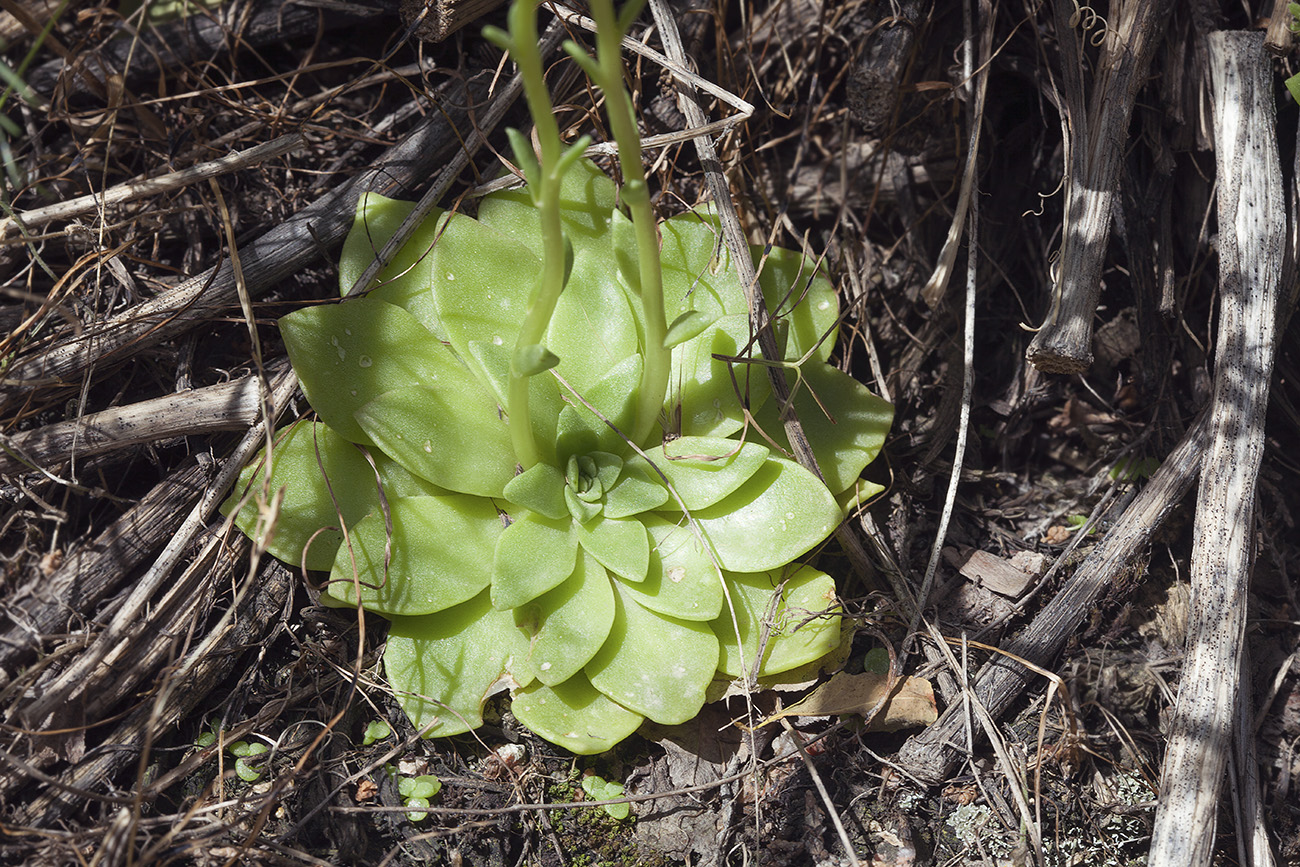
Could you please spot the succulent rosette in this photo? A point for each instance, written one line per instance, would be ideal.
(614, 578)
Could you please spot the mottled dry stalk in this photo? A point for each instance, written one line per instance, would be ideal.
(1095, 144)
(1252, 231)
(225, 406)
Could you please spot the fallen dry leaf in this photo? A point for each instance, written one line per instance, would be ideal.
(911, 705)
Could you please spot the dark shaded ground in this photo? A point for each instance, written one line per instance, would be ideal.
(116, 775)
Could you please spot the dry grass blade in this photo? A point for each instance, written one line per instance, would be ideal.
(1252, 233)
(266, 260)
(29, 221)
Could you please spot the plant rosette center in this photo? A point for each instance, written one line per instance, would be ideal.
(613, 577)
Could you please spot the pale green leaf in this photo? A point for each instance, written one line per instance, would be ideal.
(437, 555)
(405, 281)
(656, 666)
(802, 302)
(636, 491)
(574, 715)
(443, 666)
(846, 424)
(781, 512)
(567, 625)
(347, 354)
(709, 393)
(804, 626)
(621, 544)
(482, 281)
(449, 432)
(307, 454)
(534, 554)
(682, 581)
(704, 470)
(539, 488)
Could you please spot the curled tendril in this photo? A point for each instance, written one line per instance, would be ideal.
(1088, 19)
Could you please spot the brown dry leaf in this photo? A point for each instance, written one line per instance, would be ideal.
(911, 705)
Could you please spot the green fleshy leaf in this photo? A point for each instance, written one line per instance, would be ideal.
(653, 665)
(682, 581)
(634, 492)
(575, 433)
(608, 468)
(850, 438)
(594, 326)
(302, 452)
(449, 432)
(783, 511)
(705, 470)
(345, 355)
(574, 715)
(621, 545)
(540, 488)
(614, 396)
(406, 280)
(534, 554)
(482, 280)
(704, 393)
(697, 268)
(582, 511)
(623, 246)
(457, 658)
(797, 636)
(802, 302)
(438, 555)
(544, 401)
(567, 625)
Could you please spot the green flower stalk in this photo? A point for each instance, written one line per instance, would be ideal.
(488, 436)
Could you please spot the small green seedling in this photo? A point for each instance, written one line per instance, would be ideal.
(538, 435)
(376, 731)
(247, 767)
(416, 792)
(600, 789)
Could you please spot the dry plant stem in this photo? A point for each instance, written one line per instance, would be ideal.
(28, 221)
(89, 574)
(1252, 233)
(1095, 146)
(933, 753)
(1253, 846)
(938, 283)
(203, 668)
(738, 247)
(274, 256)
(1278, 37)
(974, 117)
(72, 683)
(227, 406)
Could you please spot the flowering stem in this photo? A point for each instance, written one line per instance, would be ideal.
(544, 171)
(636, 195)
